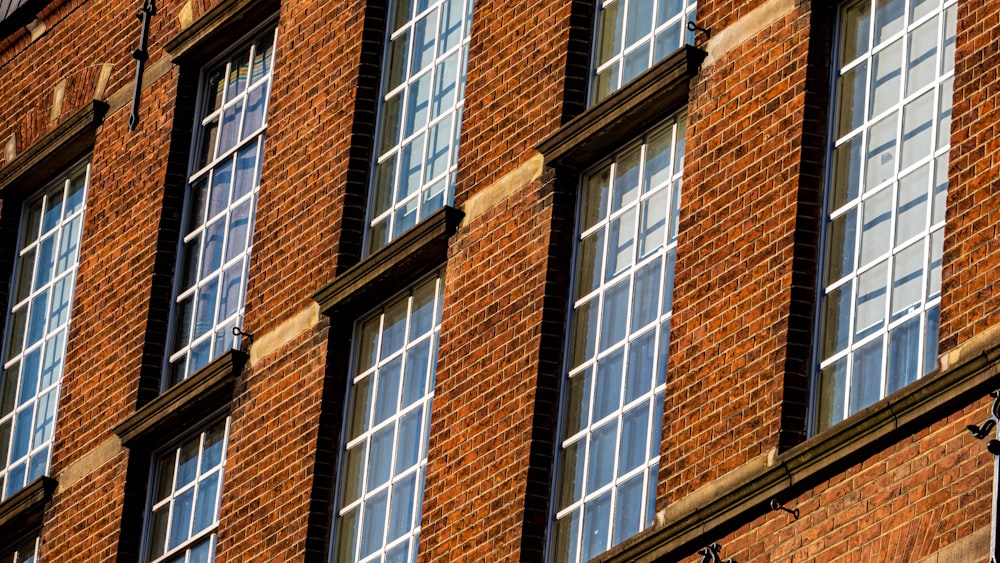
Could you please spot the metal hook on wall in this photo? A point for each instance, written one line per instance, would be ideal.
(775, 505)
(691, 26)
(237, 331)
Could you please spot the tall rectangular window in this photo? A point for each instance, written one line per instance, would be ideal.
(220, 205)
(420, 114)
(184, 496)
(41, 297)
(633, 35)
(386, 429)
(613, 394)
(885, 201)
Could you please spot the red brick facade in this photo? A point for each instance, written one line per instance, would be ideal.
(916, 484)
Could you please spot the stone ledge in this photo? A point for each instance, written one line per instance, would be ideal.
(52, 152)
(625, 114)
(967, 374)
(213, 32)
(391, 268)
(184, 404)
(22, 513)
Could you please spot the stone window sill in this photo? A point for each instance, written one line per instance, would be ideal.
(184, 405)
(624, 115)
(392, 268)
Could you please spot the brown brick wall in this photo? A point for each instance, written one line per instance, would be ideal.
(902, 504)
(741, 335)
(735, 271)
(272, 449)
(524, 57)
(487, 484)
(313, 193)
(971, 248)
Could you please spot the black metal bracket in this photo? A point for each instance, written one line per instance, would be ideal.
(710, 554)
(237, 331)
(695, 27)
(984, 429)
(775, 505)
(141, 55)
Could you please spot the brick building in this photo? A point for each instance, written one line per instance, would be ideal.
(456, 280)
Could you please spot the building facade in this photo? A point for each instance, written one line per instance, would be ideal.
(469, 280)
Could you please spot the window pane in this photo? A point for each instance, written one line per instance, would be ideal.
(44, 276)
(881, 273)
(420, 114)
(185, 488)
(220, 204)
(634, 35)
(382, 464)
(614, 388)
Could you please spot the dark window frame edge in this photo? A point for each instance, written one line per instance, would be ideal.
(391, 268)
(625, 114)
(208, 389)
(965, 375)
(52, 152)
(22, 513)
(208, 34)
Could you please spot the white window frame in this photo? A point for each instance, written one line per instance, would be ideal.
(650, 259)
(203, 476)
(367, 419)
(431, 181)
(640, 49)
(195, 338)
(886, 252)
(48, 348)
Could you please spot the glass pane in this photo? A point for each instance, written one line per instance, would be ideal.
(832, 391)
(621, 239)
(870, 311)
(886, 78)
(576, 403)
(856, 19)
(615, 311)
(851, 90)
(600, 467)
(888, 18)
(911, 205)
(840, 246)
(918, 137)
(921, 64)
(626, 185)
(904, 354)
(866, 381)
(597, 514)
(609, 32)
(628, 515)
(907, 278)
(594, 206)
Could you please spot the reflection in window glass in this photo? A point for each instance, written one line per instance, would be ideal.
(420, 114)
(387, 425)
(613, 393)
(184, 498)
(34, 345)
(884, 202)
(219, 208)
(633, 35)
